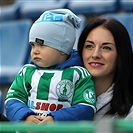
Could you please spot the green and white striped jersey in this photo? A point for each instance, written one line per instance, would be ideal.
(46, 90)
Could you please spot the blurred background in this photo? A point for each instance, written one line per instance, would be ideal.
(17, 16)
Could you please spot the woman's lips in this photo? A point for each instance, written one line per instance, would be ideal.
(96, 64)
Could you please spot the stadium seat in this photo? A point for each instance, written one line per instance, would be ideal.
(14, 48)
(126, 5)
(9, 12)
(90, 7)
(126, 19)
(33, 9)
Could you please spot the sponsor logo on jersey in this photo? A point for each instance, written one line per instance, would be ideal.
(89, 96)
(64, 89)
(44, 107)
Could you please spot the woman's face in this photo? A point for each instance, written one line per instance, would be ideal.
(99, 53)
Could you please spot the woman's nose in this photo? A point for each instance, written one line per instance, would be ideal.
(96, 53)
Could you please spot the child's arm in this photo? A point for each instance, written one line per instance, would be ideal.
(17, 110)
(74, 113)
(17, 98)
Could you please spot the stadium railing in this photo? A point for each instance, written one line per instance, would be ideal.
(117, 125)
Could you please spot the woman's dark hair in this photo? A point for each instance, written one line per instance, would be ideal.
(123, 89)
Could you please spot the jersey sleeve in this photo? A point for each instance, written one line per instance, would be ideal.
(18, 89)
(77, 112)
(17, 110)
(17, 97)
(84, 89)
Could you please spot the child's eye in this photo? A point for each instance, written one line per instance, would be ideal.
(32, 44)
(41, 45)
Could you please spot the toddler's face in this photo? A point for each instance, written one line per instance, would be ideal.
(45, 56)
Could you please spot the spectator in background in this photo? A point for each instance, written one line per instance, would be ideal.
(54, 87)
(106, 51)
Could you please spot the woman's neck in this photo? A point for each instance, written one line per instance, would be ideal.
(102, 85)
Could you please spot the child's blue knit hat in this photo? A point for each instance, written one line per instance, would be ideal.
(56, 29)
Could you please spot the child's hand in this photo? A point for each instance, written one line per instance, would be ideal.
(47, 119)
(33, 119)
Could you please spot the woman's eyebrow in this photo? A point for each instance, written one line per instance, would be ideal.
(104, 43)
(89, 41)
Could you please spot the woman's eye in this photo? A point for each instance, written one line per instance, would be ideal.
(89, 46)
(106, 48)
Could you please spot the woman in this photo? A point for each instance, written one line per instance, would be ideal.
(106, 51)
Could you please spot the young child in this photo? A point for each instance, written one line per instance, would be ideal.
(55, 87)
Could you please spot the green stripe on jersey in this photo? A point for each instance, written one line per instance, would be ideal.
(44, 86)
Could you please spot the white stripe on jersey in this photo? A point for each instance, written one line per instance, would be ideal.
(55, 79)
(77, 76)
(35, 81)
(83, 71)
(24, 71)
